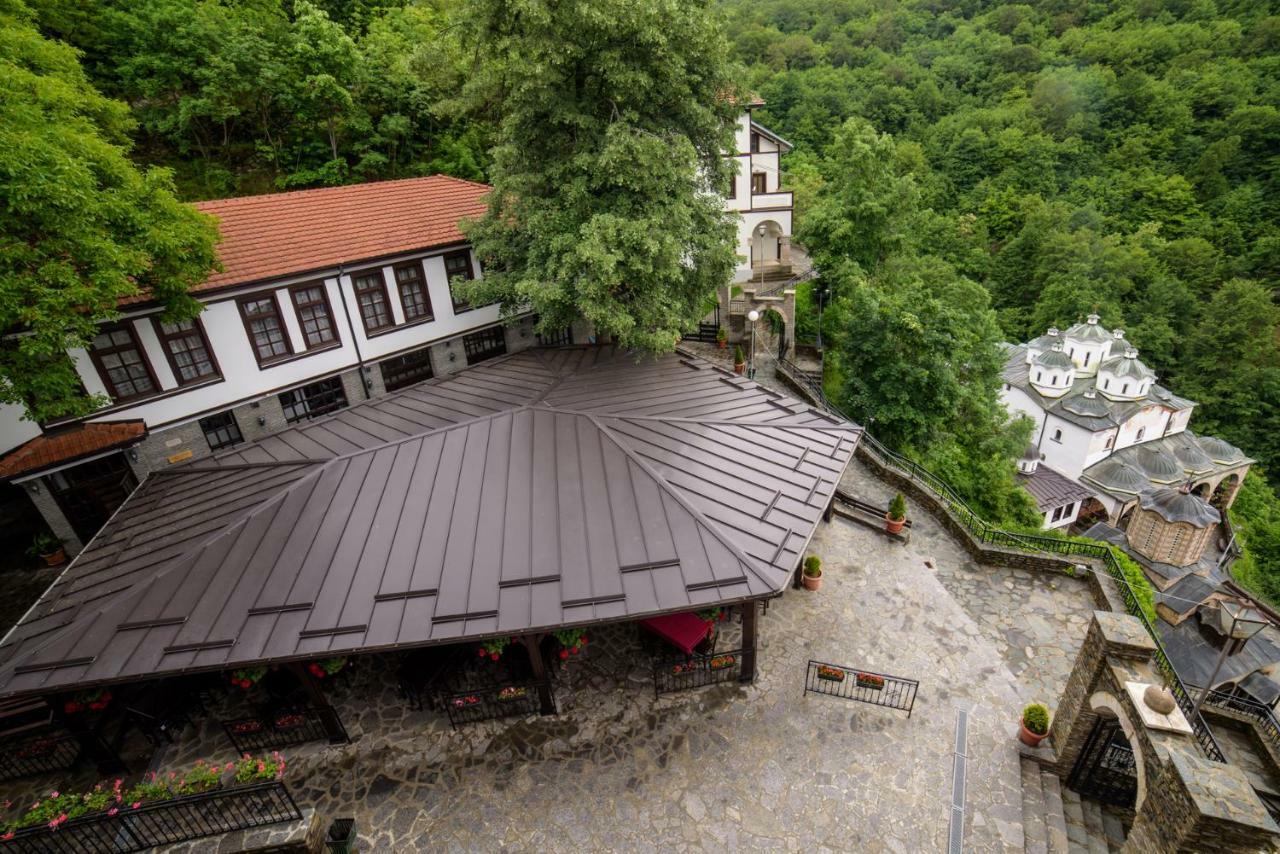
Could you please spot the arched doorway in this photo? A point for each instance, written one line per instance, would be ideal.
(1226, 492)
(1201, 490)
(777, 326)
(766, 246)
(1109, 769)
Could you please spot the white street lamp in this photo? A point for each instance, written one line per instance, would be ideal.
(761, 231)
(1237, 623)
(752, 316)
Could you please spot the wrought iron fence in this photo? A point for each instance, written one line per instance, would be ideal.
(695, 671)
(1262, 718)
(864, 686)
(491, 702)
(811, 273)
(988, 534)
(38, 753)
(284, 727)
(162, 822)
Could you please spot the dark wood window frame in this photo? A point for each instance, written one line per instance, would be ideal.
(733, 183)
(136, 344)
(197, 328)
(407, 369)
(484, 344)
(313, 400)
(759, 183)
(416, 267)
(294, 291)
(755, 142)
(248, 328)
(459, 306)
(221, 430)
(358, 290)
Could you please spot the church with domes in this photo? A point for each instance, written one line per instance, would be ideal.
(1111, 446)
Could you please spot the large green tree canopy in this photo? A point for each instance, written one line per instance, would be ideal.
(612, 119)
(81, 227)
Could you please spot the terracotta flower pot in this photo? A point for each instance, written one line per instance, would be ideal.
(1028, 737)
(893, 526)
(811, 582)
(739, 367)
(722, 343)
(55, 558)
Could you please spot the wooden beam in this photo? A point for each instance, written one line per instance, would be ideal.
(750, 616)
(539, 668)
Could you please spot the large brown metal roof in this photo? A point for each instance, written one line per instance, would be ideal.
(548, 488)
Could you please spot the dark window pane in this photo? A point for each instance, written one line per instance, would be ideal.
(221, 430)
(314, 400)
(458, 265)
(262, 320)
(484, 344)
(123, 368)
(313, 315)
(407, 369)
(413, 292)
(188, 351)
(371, 294)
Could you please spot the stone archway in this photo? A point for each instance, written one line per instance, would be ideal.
(1225, 492)
(1202, 490)
(1111, 767)
(767, 246)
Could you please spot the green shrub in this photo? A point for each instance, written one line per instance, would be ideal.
(1035, 718)
(898, 507)
(739, 358)
(813, 566)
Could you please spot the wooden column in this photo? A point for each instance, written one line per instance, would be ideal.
(750, 614)
(539, 667)
(92, 745)
(328, 715)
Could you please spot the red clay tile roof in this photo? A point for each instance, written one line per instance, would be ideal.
(283, 233)
(66, 445)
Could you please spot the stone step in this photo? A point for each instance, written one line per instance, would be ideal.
(1097, 843)
(1114, 829)
(1055, 819)
(1035, 834)
(1077, 834)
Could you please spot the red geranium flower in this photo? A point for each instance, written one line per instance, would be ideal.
(564, 653)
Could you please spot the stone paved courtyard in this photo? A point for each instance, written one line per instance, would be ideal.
(736, 767)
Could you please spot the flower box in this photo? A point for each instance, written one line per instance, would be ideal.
(514, 692)
(37, 749)
(464, 702)
(683, 667)
(246, 727)
(830, 674)
(290, 720)
(722, 662)
(870, 680)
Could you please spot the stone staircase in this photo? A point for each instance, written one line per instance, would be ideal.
(1055, 820)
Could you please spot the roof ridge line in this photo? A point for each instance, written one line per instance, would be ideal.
(670, 489)
(847, 427)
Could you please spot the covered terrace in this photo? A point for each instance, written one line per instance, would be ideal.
(514, 506)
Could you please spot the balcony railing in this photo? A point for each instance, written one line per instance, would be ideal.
(769, 201)
(282, 728)
(492, 702)
(38, 753)
(162, 822)
(694, 671)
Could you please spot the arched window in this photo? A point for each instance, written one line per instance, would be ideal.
(1057, 435)
(1037, 376)
(1106, 384)
(1125, 390)
(1141, 432)
(1111, 440)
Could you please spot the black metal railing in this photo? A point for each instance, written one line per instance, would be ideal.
(986, 533)
(864, 686)
(695, 671)
(284, 727)
(811, 273)
(38, 753)
(491, 702)
(162, 822)
(1262, 718)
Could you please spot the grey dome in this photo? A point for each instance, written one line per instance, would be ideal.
(1053, 359)
(1217, 449)
(1158, 464)
(1127, 366)
(1179, 505)
(1088, 332)
(1087, 404)
(1114, 474)
(1046, 342)
(1032, 452)
(1190, 454)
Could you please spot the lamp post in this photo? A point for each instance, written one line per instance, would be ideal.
(761, 231)
(1237, 622)
(752, 317)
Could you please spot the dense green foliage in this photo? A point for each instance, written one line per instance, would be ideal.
(1256, 514)
(612, 117)
(80, 226)
(1114, 155)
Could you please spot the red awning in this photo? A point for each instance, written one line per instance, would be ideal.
(683, 631)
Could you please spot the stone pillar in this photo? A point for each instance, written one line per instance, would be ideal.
(1195, 804)
(784, 250)
(1110, 635)
(519, 335)
(37, 490)
(448, 357)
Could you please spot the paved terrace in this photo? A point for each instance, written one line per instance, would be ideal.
(742, 767)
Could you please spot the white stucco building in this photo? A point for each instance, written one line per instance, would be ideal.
(756, 194)
(1103, 424)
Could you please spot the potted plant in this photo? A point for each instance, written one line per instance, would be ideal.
(1035, 724)
(812, 572)
(571, 642)
(874, 681)
(897, 515)
(246, 677)
(327, 667)
(722, 338)
(48, 548)
(827, 673)
(492, 649)
(739, 359)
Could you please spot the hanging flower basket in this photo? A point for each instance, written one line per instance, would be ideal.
(464, 702)
(93, 701)
(714, 615)
(493, 649)
(723, 662)
(572, 641)
(247, 677)
(870, 680)
(512, 692)
(830, 674)
(327, 667)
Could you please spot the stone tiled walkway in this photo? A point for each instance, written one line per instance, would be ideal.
(736, 767)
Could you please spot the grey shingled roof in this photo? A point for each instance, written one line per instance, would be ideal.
(1051, 489)
(544, 489)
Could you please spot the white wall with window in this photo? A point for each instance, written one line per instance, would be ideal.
(1061, 517)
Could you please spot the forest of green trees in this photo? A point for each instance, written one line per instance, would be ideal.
(966, 173)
